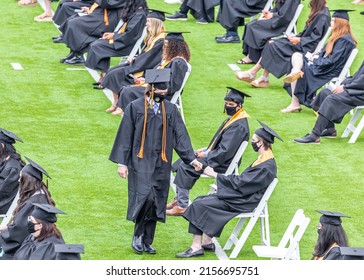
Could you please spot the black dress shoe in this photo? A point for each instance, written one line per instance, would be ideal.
(209, 247)
(69, 56)
(58, 40)
(98, 87)
(76, 60)
(228, 39)
(54, 37)
(149, 249)
(137, 244)
(220, 37)
(189, 254)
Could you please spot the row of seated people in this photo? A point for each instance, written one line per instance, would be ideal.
(31, 233)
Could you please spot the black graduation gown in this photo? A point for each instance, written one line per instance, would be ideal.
(333, 254)
(235, 194)
(100, 51)
(9, 185)
(67, 8)
(12, 238)
(322, 70)
(32, 249)
(258, 32)
(150, 173)
(335, 106)
(178, 68)
(221, 154)
(203, 8)
(233, 12)
(276, 56)
(118, 77)
(79, 32)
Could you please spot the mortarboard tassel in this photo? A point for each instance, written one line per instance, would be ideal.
(141, 150)
(106, 18)
(164, 134)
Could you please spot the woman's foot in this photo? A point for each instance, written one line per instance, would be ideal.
(43, 17)
(245, 76)
(118, 112)
(293, 76)
(291, 109)
(26, 3)
(111, 109)
(261, 82)
(245, 60)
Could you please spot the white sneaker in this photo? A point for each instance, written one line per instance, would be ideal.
(173, 1)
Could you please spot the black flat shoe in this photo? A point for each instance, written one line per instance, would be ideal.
(58, 40)
(189, 254)
(209, 247)
(96, 83)
(137, 244)
(69, 56)
(98, 87)
(76, 60)
(149, 249)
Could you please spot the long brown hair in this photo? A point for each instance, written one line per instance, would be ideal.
(48, 229)
(176, 48)
(340, 29)
(155, 28)
(316, 6)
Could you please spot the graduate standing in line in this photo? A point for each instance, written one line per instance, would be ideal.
(149, 131)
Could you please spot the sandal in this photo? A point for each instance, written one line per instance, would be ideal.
(243, 61)
(245, 76)
(261, 82)
(111, 109)
(43, 17)
(290, 78)
(27, 3)
(118, 112)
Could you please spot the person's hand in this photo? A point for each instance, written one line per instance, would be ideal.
(293, 39)
(139, 81)
(338, 89)
(108, 36)
(85, 9)
(197, 165)
(209, 171)
(2, 228)
(267, 14)
(123, 171)
(200, 153)
(130, 60)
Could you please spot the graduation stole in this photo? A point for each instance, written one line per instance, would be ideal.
(164, 130)
(160, 36)
(159, 67)
(264, 157)
(93, 8)
(240, 114)
(121, 31)
(321, 258)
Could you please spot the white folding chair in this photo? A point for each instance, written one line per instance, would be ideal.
(137, 49)
(322, 42)
(345, 72)
(261, 211)
(176, 98)
(288, 247)
(7, 216)
(351, 128)
(292, 28)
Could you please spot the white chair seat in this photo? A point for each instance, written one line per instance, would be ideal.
(273, 252)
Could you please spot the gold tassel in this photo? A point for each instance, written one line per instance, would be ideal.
(92, 8)
(106, 18)
(141, 150)
(164, 134)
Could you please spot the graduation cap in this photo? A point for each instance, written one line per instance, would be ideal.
(235, 95)
(35, 170)
(158, 77)
(8, 137)
(176, 35)
(341, 13)
(331, 218)
(46, 212)
(157, 14)
(267, 133)
(351, 253)
(68, 251)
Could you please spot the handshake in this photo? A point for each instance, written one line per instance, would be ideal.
(207, 170)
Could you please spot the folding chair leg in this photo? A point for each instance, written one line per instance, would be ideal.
(351, 125)
(357, 131)
(242, 239)
(233, 238)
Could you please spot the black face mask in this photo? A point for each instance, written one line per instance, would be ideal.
(230, 110)
(31, 227)
(157, 97)
(255, 146)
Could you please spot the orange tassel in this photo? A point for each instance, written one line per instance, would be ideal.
(141, 150)
(106, 18)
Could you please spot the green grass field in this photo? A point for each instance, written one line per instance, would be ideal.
(65, 129)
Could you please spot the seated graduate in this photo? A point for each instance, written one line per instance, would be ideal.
(65, 10)
(44, 234)
(259, 31)
(331, 236)
(116, 44)
(333, 105)
(311, 72)
(236, 194)
(149, 131)
(79, 32)
(31, 190)
(218, 155)
(126, 74)
(232, 14)
(175, 56)
(276, 55)
(10, 167)
(202, 10)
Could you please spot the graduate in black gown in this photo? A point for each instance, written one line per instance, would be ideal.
(218, 154)
(175, 56)
(331, 236)
(116, 44)
(333, 105)
(149, 131)
(10, 167)
(310, 72)
(274, 23)
(202, 10)
(79, 32)
(232, 14)
(125, 74)
(277, 53)
(31, 190)
(66, 9)
(43, 234)
(236, 194)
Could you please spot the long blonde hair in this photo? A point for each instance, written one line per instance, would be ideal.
(340, 29)
(155, 28)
